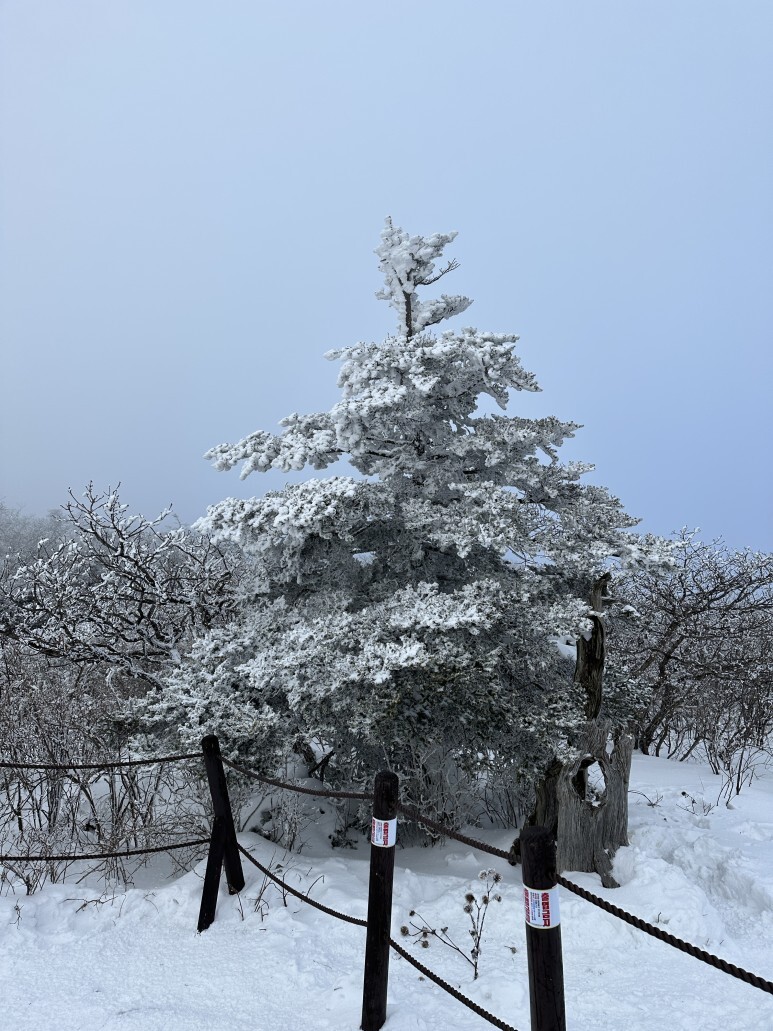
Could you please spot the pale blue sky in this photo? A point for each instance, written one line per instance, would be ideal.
(190, 195)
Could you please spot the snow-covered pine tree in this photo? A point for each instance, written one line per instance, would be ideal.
(408, 617)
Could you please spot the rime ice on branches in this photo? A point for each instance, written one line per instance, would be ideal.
(407, 616)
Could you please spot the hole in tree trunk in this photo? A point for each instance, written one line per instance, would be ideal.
(590, 783)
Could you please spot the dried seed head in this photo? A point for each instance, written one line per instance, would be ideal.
(485, 900)
(404, 930)
(497, 877)
(469, 897)
(424, 943)
(468, 908)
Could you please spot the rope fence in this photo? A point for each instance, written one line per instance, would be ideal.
(107, 764)
(537, 856)
(359, 922)
(412, 813)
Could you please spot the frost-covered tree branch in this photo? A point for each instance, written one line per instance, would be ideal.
(117, 590)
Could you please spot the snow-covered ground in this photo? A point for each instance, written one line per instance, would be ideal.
(70, 961)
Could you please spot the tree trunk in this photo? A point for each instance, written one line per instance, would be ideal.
(585, 802)
(593, 812)
(589, 669)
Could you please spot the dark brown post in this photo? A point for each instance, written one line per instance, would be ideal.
(382, 865)
(212, 875)
(543, 930)
(223, 849)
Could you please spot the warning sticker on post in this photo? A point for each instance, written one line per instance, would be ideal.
(541, 907)
(383, 833)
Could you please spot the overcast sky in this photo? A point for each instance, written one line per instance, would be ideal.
(191, 192)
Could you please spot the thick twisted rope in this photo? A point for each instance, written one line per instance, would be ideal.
(398, 948)
(300, 895)
(104, 855)
(413, 814)
(692, 950)
(451, 990)
(107, 765)
(361, 796)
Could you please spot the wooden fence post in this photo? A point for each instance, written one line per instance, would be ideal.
(543, 930)
(223, 849)
(382, 865)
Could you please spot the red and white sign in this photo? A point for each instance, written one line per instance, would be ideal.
(383, 833)
(541, 907)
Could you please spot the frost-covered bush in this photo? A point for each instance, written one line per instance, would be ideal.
(406, 617)
(695, 641)
(114, 592)
(60, 714)
(95, 606)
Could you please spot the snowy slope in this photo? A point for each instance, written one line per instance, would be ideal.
(72, 962)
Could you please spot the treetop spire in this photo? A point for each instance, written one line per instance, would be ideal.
(408, 262)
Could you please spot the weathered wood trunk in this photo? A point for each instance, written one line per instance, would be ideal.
(585, 802)
(593, 814)
(589, 816)
(591, 653)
